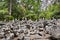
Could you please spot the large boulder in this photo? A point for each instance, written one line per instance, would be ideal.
(53, 30)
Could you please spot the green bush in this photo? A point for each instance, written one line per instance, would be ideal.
(2, 16)
(52, 11)
(9, 18)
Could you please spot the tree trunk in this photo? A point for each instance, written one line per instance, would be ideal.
(10, 7)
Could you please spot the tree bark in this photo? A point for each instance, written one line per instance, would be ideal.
(10, 7)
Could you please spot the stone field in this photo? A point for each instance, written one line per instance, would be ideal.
(30, 30)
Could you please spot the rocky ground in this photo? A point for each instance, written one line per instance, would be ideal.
(30, 30)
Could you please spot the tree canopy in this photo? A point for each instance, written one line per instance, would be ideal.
(30, 9)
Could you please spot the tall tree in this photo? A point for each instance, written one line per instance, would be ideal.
(10, 7)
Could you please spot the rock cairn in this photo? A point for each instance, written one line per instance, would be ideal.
(30, 30)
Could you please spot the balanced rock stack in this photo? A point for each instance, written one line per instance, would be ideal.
(30, 30)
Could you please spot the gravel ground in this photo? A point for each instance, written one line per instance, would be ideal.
(30, 30)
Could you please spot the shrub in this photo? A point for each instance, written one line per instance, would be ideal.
(9, 18)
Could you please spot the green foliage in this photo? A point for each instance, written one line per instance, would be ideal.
(56, 13)
(52, 11)
(9, 18)
(32, 16)
(27, 9)
(1, 16)
(42, 14)
(34, 9)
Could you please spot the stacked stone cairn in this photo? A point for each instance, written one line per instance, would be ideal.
(30, 30)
